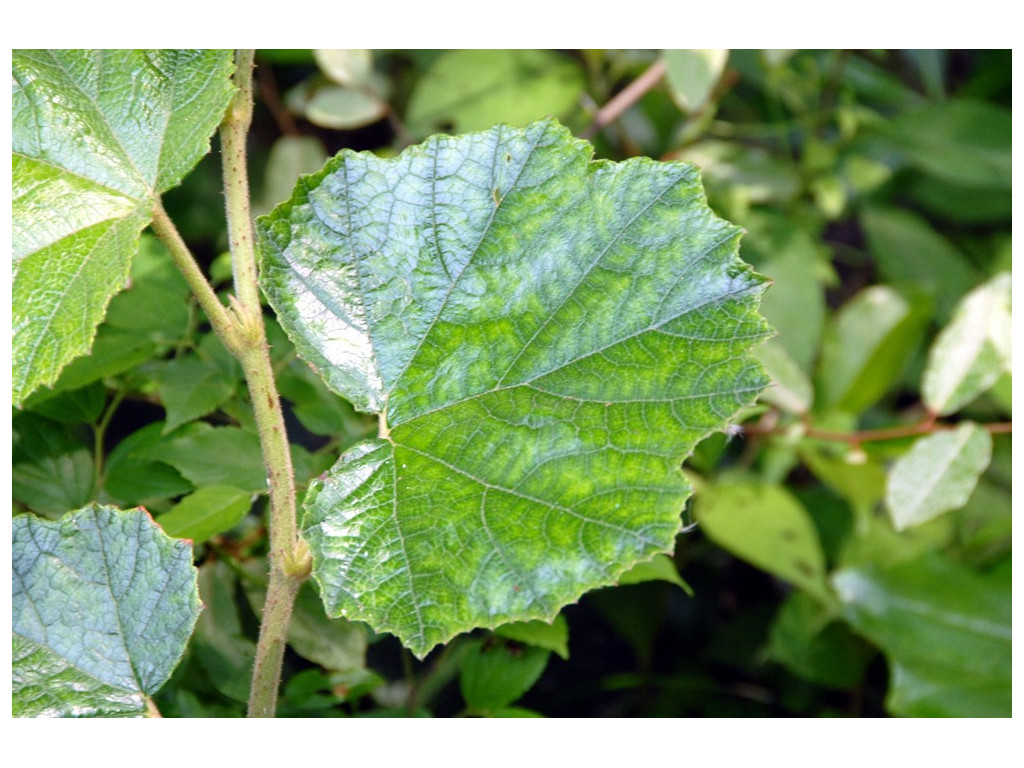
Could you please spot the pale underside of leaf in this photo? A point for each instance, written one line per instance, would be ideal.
(547, 337)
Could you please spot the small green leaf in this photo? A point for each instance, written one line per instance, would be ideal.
(496, 673)
(340, 108)
(351, 66)
(75, 406)
(791, 389)
(113, 352)
(52, 468)
(321, 411)
(946, 632)
(155, 305)
(767, 527)
(553, 636)
(190, 388)
(795, 306)
(469, 90)
(220, 646)
(208, 455)
(811, 642)
(103, 606)
(209, 511)
(660, 568)
(973, 351)
(290, 157)
(545, 337)
(693, 74)
(866, 347)
(862, 484)
(911, 255)
(97, 135)
(334, 644)
(937, 474)
(131, 478)
(964, 141)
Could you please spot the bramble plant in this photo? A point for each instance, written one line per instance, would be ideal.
(496, 352)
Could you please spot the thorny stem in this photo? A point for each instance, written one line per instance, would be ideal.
(241, 329)
(288, 558)
(626, 98)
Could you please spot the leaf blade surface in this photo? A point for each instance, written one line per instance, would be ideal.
(97, 135)
(103, 605)
(545, 337)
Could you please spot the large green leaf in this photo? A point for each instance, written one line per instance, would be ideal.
(103, 604)
(545, 338)
(946, 632)
(97, 135)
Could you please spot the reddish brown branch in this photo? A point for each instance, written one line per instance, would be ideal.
(926, 426)
(625, 98)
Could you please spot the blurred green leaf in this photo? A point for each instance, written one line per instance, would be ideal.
(335, 644)
(959, 203)
(809, 640)
(937, 475)
(973, 351)
(553, 636)
(345, 66)
(75, 406)
(209, 455)
(220, 645)
(340, 108)
(321, 411)
(693, 74)
(910, 254)
(155, 304)
(209, 511)
(470, 90)
(496, 673)
(795, 305)
(964, 141)
(190, 388)
(516, 712)
(114, 351)
(791, 388)
(862, 484)
(945, 630)
(866, 347)
(289, 158)
(132, 478)
(767, 527)
(52, 470)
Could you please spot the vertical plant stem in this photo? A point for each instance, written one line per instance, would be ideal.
(289, 560)
(240, 327)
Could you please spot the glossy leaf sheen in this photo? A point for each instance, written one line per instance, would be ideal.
(96, 136)
(946, 631)
(546, 339)
(973, 351)
(937, 475)
(103, 605)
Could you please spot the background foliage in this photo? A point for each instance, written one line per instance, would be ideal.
(851, 556)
